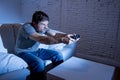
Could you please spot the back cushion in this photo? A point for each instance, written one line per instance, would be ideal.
(8, 34)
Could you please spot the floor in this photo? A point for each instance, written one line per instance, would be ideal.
(78, 68)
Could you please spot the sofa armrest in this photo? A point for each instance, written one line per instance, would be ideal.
(67, 51)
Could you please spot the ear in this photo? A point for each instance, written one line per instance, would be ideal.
(34, 24)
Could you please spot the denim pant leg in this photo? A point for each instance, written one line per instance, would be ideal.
(36, 64)
(36, 60)
(47, 54)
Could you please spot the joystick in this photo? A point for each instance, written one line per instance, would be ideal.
(76, 36)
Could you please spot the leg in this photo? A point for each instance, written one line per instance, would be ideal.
(116, 75)
(37, 65)
(46, 54)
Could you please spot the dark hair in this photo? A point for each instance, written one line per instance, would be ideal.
(39, 16)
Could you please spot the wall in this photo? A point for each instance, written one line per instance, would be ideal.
(98, 25)
(10, 11)
(97, 21)
(51, 7)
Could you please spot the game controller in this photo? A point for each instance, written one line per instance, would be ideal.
(75, 36)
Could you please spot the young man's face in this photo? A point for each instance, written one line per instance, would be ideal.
(42, 26)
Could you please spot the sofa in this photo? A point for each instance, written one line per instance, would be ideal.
(13, 67)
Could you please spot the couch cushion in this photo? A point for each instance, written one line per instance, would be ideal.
(10, 62)
(8, 35)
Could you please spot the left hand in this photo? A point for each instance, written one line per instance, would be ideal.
(71, 40)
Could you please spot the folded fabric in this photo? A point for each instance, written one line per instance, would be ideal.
(58, 46)
(10, 62)
(2, 48)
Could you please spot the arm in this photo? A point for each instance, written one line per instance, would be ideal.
(58, 35)
(57, 38)
(66, 38)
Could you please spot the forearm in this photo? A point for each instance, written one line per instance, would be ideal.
(63, 38)
(48, 40)
(60, 35)
(58, 38)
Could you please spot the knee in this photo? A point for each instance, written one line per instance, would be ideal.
(37, 66)
(57, 60)
(57, 57)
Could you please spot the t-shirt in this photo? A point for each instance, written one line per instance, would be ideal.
(23, 42)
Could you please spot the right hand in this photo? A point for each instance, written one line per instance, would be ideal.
(65, 39)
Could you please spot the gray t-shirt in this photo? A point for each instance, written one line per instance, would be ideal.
(23, 42)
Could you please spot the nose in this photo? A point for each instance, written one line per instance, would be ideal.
(45, 26)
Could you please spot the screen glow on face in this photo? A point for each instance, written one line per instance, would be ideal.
(43, 26)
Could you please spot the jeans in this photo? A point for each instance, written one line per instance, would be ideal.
(36, 59)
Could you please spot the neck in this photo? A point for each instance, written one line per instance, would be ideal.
(35, 26)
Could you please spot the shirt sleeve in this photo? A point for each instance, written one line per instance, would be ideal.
(50, 32)
(29, 29)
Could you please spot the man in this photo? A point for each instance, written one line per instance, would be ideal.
(29, 38)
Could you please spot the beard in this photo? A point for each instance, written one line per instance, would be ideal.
(43, 31)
